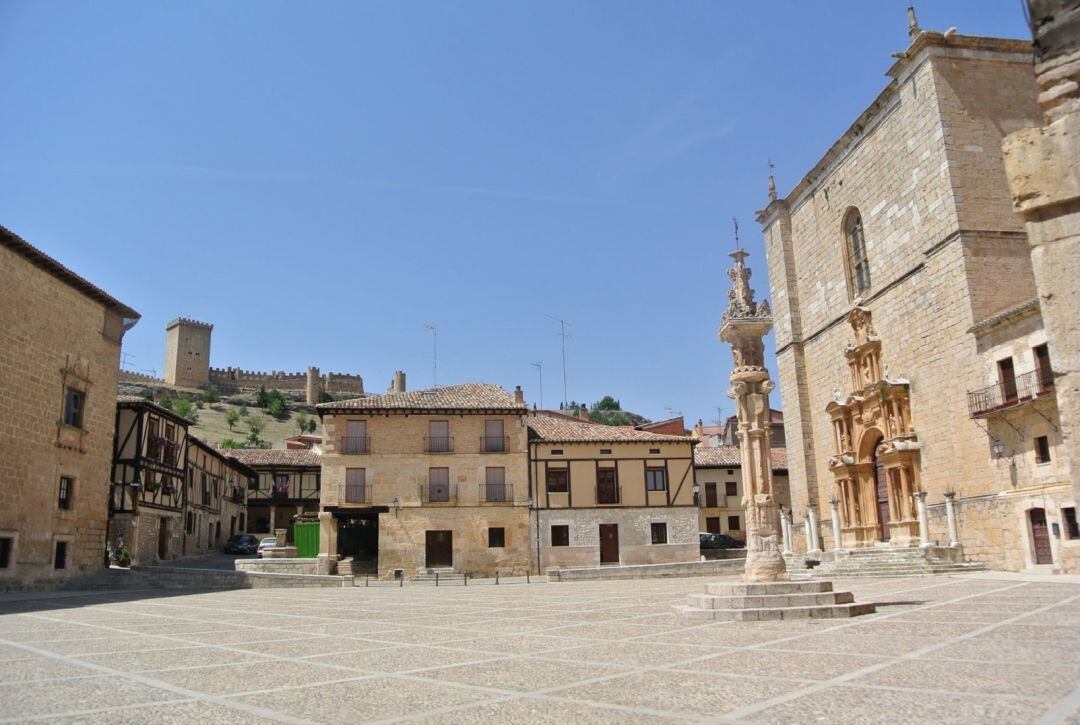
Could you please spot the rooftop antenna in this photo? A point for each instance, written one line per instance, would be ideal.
(125, 360)
(434, 354)
(563, 324)
(540, 371)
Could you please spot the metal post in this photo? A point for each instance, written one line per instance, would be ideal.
(496, 576)
(527, 580)
(401, 581)
(365, 582)
(466, 575)
(436, 578)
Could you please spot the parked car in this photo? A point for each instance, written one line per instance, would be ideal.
(241, 544)
(719, 541)
(267, 543)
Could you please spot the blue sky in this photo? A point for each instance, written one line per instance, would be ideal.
(320, 180)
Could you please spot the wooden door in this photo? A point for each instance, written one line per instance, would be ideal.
(710, 496)
(440, 549)
(712, 524)
(356, 440)
(609, 543)
(1040, 537)
(163, 538)
(882, 489)
(1007, 379)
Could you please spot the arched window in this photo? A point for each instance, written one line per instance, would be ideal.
(858, 263)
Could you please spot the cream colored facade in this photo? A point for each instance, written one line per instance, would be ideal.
(607, 495)
(59, 353)
(890, 263)
(427, 480)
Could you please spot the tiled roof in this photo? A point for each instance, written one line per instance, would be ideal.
(730, 457)
(469, 396)
(35, 256)
(274, 456)
(563, 429)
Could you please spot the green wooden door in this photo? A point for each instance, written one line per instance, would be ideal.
(306, 540)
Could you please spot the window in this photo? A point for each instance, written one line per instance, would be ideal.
(556, 451)
(605, 451)
(560, 535)
(654, 450)
(496, 538)
(858, 264)
(494, 439)
(66, 485)
(659, 532)
(74, 401)
(438, 485)
(281, 484)
(558, 480)
(356, 485)
(733, 523)
(1043, 372)
(731, 488)
(60, 559)
(607, 486)
(438, 436)
(655, 479)
(1072, 530)
(712, 524)
(1007, 379)
(730, 471)
(7, 546)
(356, 438)
(495, 488)
(1042, 449)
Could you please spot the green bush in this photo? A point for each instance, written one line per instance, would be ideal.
(232, 417)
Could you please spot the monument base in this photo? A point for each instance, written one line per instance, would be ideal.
(765, 566)
(756, 601)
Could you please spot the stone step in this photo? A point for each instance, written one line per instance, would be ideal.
(744, 589)
(752, 615)
(771, 601)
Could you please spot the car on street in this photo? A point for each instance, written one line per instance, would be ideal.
(241, 544)
(268, 543)
(718, 541)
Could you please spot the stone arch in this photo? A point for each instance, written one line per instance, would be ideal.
(868, 443)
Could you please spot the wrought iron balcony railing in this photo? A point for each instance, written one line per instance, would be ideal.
(1011, 393)
(357, 493)
(494, 444)
(355, 444)
(439, 444)
(496, 493)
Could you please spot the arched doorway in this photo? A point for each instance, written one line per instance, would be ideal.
(880, 485)
(1040, 537)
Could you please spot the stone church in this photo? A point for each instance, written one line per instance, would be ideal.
(917, 380)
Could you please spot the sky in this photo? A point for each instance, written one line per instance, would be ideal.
(322, 180)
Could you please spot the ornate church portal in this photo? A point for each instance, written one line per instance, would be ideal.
(877, 452)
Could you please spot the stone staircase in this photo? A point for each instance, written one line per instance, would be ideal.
(445, 575)
(771, 600)
(881, 561)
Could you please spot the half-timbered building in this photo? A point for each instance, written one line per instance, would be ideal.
(287, 484)
(146, 498)
(215, 497)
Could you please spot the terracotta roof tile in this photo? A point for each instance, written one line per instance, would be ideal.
(468, 396)
(731, 457)
(274, 456)
(563, 429)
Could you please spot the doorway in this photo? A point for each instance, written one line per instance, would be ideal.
(358, 538)
(881, 488)
(439, 549)
(1040, 537)
(163, 537)
(609, 543)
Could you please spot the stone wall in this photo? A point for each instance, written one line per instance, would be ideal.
(52, 337)
(635, 545)
(724, 567)
(235, 378)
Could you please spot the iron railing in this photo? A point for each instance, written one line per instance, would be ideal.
(357, 493)
(1008, 394)
(608, 493)
(355, 444)
(439, 444)
(494, 444)
(496, 493)
(438, 493)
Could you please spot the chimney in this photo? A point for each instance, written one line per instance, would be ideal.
(399, 381)
(519, 395)
(583, 412)
(699, 428)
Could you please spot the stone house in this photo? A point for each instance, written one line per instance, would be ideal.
(913, 365)
(215, 498)
(609, 494)
(426, 480)
(60, 342)
(718, 475)
(287, 485)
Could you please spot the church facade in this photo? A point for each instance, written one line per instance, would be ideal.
(917, 380)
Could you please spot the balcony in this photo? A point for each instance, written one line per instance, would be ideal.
(439, 444)
(608, 494)
(357, 493)
(496, 493)
(438, 493)
(355, 444)
(494, 444)
(1010, 394)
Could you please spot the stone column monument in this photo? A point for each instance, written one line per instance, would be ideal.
(743, 327)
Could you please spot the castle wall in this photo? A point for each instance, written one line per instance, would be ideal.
(249, 379)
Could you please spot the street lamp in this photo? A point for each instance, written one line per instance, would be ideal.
(998, 448)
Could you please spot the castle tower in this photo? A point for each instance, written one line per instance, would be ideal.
(313, 386)
(187, 353)
(743, 326)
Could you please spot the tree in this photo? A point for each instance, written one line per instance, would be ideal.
(256, 425)
(262, 397)
(232, 417)
(165, 401)
(277, 406)
(243, 411)
(312, 425)
(210, 395)
(325, 397)
(301, 420)
(185, 408)
(608, 411)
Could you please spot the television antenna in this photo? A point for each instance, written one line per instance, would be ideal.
(540, 371)
(563, 325)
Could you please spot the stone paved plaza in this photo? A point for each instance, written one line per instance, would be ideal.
(960, 649)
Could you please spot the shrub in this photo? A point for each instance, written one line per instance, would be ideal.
(232, 417)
